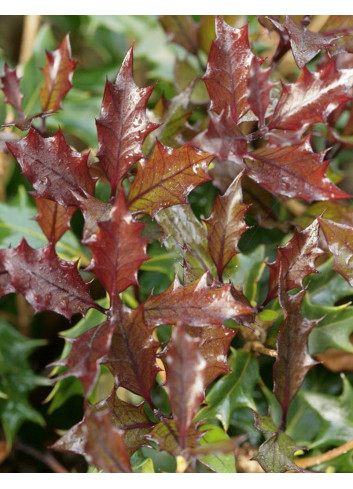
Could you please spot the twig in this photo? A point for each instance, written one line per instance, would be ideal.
(324, 457)
(30, 28)
(45, 457)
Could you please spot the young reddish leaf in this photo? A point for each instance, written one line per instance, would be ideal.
(260, 88)
(182, 30)
(194, 305)
(104, 443)
(293, 359)
(94, 211)
(312, 97)
(47, 282)
(339, 238)
(295, 260)
(122, 126)
(53, 218)
(56, 171)
(228, 70)
(185, 367)
(58, 72)
(117, 249)
(167, 178)
(226, 225)
(223, 138)
(132, 357)
(88, 351)
(11, 89)
(214, 346)
(166, 435)
(305, 44)
(294, 171)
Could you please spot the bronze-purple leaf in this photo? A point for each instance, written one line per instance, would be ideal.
(11, 89)
(53, 218)
(46, 281)
(195, 305)
(122, 125)
(166, 435)
(260, 88)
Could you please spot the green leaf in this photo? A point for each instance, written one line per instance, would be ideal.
(232, 390)
(335, 413)
(16, 380)
(276, 454)
(219, 462)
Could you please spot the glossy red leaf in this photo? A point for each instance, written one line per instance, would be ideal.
(167, 178)
(226, 225)
(339, 238)
(223, 138)
(56, 171)
(58, 72)
(293, 358)
(11, 89)
(228, 70)
(214, 347)
(122, 125)
(312, 97)
(182, 30)
(117, 249)
(53, 218)
(132, 357)
(295, 260)
(260, 88)
(5, 286)
(195, 305)
(294, 171)
(104, 445)
(47, 282)
(185, 368)
(87, 353)
(305, 44)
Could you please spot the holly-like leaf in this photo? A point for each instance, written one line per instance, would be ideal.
(166, 435)
(335, 413)
(312, 97)
(122, 125)
(216, 449)
(294, 171)
(195, 305)
(305, 44)
(232, 391)
(339, 238)
(16, 381)
(11, 89)
(56, 171)
(276, 454)
(214, 346)
(53, 218)
(132, 357)
(167, 178)
(226, 225)
(185, 367)
(87, 353)
(293, 359)
(58, 72)
(229, 65)
(114, 260)
(260, 88)
(182, 30)
(295, 260)
(47, 282)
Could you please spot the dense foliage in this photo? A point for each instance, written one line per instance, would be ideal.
(198, 237)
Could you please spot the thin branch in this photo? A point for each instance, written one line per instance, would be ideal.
(324, 457)
(45, 457)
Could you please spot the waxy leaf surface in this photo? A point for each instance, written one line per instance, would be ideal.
(339, 238)
(56, 171)
(229, 64)
(195, 305)
(312, 97)
(117, 249)
(47, 282)
(226, 225)
(295, 260)
(293, 360)
(122, 125)
(294, 171)
(58, 72)
(167, 178)
(260, 88)
(53, 218)
(132, 357)
(185, 368)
